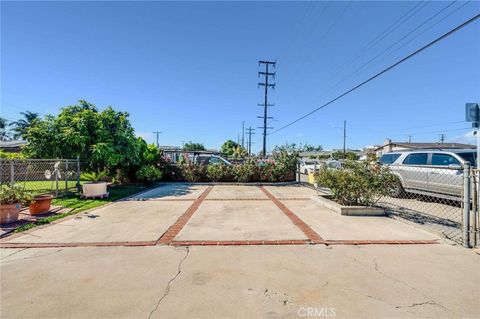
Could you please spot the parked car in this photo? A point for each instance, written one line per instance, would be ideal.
(437, 173)
(206, 159)
(307, 166)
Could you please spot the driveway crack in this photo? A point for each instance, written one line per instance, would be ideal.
(169, 284)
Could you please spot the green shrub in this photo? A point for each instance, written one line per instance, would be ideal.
(15, 194)
(193, 172)
(93, 176)
(216, 172)
(149, 174)
(357, 183)
(243, 173)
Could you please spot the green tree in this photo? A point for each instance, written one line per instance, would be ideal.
(4, 136)
(21, 126)
(232, 149)
(103, 140)
(347, 155)
(192, 146)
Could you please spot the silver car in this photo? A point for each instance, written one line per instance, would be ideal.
(437, 173)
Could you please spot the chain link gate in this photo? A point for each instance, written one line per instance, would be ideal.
(58, 177)
(443, 201)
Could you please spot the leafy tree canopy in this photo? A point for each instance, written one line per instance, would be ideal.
(21, 126)
(347, 155)
(104, 140)
(192, 146)
(230, 148)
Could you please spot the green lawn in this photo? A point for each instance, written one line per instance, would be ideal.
(39, 187)
(77, 204)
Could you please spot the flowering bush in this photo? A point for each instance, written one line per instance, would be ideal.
(149, 174)
(216, 172)
(357, 183)
(243, 173)
(193, 172)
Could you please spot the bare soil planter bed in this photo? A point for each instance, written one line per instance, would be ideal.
(325, 200)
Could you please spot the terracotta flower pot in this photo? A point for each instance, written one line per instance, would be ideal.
(41, 204)
(9, 213)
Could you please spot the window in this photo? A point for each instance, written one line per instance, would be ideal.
(214, 160)
(469, 157)
(389, 158)
(416, 159)
(443, 159)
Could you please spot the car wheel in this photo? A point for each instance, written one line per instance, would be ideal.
(397, 189)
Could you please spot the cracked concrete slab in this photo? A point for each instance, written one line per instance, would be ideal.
(121, 221)
(239, 220)
(236, 192)
(333, 226)
(241, 282)
(172, 191)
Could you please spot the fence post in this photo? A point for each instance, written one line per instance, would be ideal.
(298, 171)
(466, 205)
(78, 174)
(66, 175)
(12, 173)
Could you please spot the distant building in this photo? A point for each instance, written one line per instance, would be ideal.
(12, 146)
(172, 153)
(390, 146)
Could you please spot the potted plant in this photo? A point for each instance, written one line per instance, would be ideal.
(41, 204)
(95, 187)
(12, 198)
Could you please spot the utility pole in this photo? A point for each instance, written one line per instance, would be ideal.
(442, 138)
(409, 139)
(265, 105)
(250, 133)
(157, 133)
(243, 134)
(344, 137)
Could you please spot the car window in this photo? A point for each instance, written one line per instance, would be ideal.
(469, 157)
(214, 160)
(443, 159)
(389, 158)
(416, 159)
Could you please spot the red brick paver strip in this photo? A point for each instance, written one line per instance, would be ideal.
(381, 242)
(307, 230)
(173, 231)
(238, 242)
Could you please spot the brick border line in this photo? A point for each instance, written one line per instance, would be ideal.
(307, 230)
(381, 242)
(173, 230)
(220, 243)
(238, 242)
(86, 244)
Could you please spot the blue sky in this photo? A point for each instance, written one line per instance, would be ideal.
(189, 69)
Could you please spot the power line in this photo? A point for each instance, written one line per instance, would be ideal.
(415, 37)
(383, 71)
(394, 26)
(394, 44)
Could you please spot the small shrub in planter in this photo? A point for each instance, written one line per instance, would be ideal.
(12, 198)
(149, 174)
(95, 187)
(216, 172)
(357, 184)
(193, 172)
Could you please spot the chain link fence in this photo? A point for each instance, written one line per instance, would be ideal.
(442, 200)
(57, 177)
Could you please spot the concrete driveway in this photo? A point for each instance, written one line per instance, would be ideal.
(200, 251)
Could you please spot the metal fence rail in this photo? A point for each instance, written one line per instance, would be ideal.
(58, 177)
(441, 200)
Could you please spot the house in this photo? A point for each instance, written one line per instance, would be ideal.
(12, 146)
(390, 146)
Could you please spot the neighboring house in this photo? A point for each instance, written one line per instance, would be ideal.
(390, 146)
(172, 153)
(12, 146)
